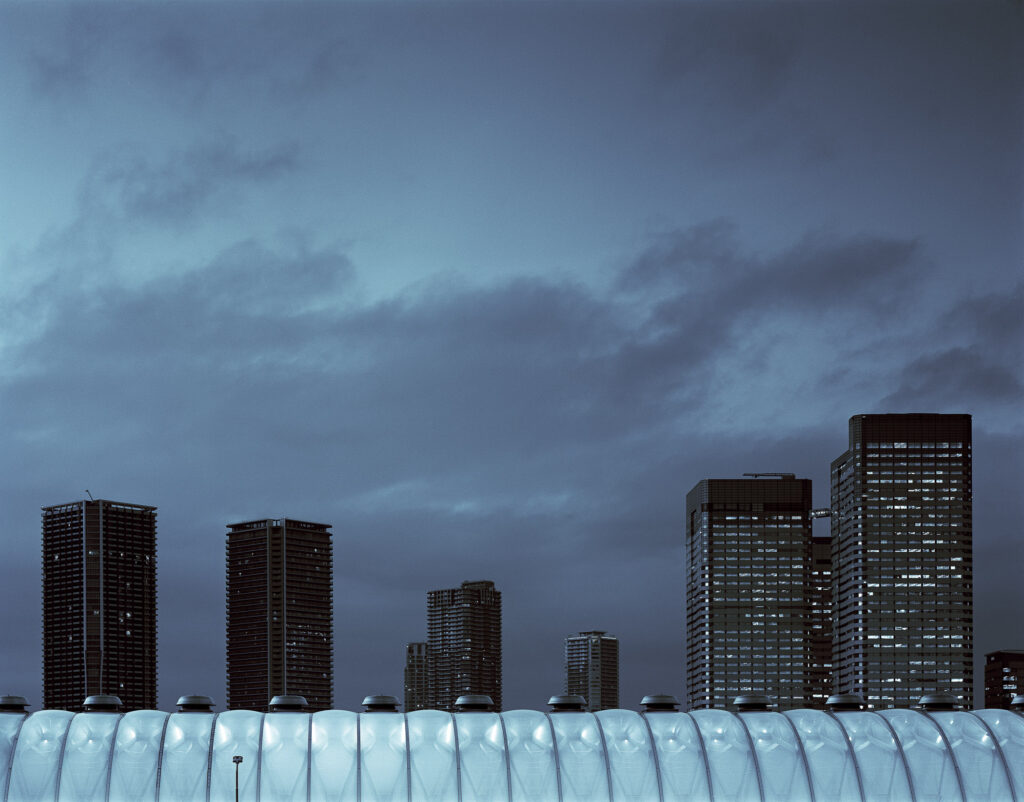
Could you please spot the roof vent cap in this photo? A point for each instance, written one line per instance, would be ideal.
(13, 704)
(474, 703)
(943, 700)
(288, 703)
(380, 703)
(195, 703)
(752, 703)
(567, 703)
(1017, 703)
(660, 703)
(102, 703)
(844, 701)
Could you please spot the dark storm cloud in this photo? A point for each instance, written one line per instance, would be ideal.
(757, 52)
(180, 185)
(67, 68)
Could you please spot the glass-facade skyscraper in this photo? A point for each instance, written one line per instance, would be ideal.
(99, 603)
(902, 577)
(280, 636)
(750, 592)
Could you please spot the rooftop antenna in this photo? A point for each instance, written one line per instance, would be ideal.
(89, 495)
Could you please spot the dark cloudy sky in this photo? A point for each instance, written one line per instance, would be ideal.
(489, 288)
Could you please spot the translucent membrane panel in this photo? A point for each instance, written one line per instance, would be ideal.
(981, 768)
(284, 758)
(334, 757)
(779, 757)
(237, 733)
(185, 760)
(83, 772)
(930, 763)
(382, 756)
(531, 756)
(432, 756)
(483, 766)
(10, 723)
(1009, 730)
(733, 771)
(833, 774)
(630, 755)
(37, 756)
(580, 757)
(136, 757)
(680, 756)
(882, 770)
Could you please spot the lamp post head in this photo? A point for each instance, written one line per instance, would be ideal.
(236, 759)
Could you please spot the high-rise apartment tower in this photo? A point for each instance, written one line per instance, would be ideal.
(279, 613)
(99, 603)
(416, 677)
(749, 591)
(1004, 677)
(902, 560)
(464, 643)
(592, 669)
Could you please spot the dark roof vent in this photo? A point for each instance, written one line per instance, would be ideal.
(752, 703)
(660, 703)
(194, 703)
(567, 704)
(102, 703)
(844, 701)
(474, 703)
(288, 703)
(380, 703)
(13, 704)
(1017, 703)
(943, 700)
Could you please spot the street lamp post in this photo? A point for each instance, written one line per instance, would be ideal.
(237, 759)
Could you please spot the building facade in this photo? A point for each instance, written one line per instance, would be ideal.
(749, 594)
(99, 603)
(592, 669)
(280, 608)
(903, 615)
(464, 643)
(1004, 677)
(417, 676)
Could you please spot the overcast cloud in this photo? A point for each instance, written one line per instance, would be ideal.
(489, 288)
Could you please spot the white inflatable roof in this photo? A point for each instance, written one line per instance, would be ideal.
(518, 756)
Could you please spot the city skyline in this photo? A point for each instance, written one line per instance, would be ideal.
(489, 287)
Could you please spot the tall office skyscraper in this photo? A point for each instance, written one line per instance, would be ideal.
(464, 643)
(902, 572)
(749, 593)
(592, 669)
(416, 677)
(820, 597)
(99, 603)
(280, 613)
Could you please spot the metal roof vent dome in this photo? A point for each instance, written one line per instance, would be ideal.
(474, 703)
(380, 703)
(844, 701)
(102, 703)
(752, 703)
(1017, 703)
(943, 700)
(288, 703)
(567, 703)
(660, 703)
(195, 703)
(13, 704)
